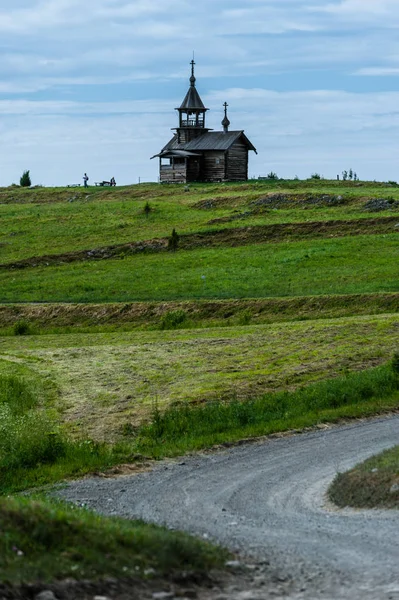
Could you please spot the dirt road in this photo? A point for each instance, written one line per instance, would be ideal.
(267, 501)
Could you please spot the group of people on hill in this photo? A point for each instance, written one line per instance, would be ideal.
(111, 182)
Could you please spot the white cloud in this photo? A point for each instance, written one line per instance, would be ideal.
(114, 70)
(294, 133)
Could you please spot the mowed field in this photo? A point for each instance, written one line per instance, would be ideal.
(273, 285)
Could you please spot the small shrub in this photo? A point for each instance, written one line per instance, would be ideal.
(28, 440)
(147, 209)
(272, 175)
(173, 319)
(173, 241)
(315, 176)
(22, 328)
(25, 180)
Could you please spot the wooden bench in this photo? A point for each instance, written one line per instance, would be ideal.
(73, 185)
(103, 183)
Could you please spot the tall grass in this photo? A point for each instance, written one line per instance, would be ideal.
(33, 449)
(185, 425)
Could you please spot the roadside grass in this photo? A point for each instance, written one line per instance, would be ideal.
(48, 541)
(107, 383)
(183, 428)
(48, 318)
(33, 448)
(373, 484)
(57, 220)
(284, 269)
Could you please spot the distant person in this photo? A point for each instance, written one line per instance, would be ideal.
(113, 182)
(85, 179)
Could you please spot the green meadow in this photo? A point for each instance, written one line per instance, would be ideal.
(56, 221)
(128, 359)
(346, 265)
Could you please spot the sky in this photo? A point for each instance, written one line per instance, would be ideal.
(92, 86)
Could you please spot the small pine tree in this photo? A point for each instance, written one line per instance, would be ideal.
(350, 174)
(173, 241)
(25, 179)
(344, 175)
(147, 209)
(272, 175)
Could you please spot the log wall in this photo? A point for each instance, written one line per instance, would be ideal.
(214, 165)
(237, 163)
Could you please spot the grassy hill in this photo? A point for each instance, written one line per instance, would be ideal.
(250, 256)
(277, 310)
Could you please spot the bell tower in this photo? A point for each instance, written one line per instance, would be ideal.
(191, 114)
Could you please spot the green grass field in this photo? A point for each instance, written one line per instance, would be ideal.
(346, 265)
(39, 222)
(281, 298)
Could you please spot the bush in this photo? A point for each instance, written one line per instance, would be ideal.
(28, 440)
(25, 180)
(272, 175)
(173, 241)
(315, 176)
(147, 209)
(22, 328)
(173, 319)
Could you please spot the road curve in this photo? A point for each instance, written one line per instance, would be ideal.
(267, 501)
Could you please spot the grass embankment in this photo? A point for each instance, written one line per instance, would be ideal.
(373, 484)
(284, 269)
(59, 318)
(46, 541)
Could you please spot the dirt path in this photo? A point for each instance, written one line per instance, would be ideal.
(267, 502)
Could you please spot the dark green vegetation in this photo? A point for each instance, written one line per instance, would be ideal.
(373, 484)
(185, 427)
(88, 546)
(274, 308)
(33, 448)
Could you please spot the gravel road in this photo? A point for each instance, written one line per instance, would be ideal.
(266, 501)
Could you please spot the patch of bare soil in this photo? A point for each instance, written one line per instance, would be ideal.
(240, 236)
(218, 202)
(278, 200)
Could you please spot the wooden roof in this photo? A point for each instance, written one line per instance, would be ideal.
(212, 140)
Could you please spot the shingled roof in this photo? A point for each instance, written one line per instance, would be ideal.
(212, 140)
(192, 100)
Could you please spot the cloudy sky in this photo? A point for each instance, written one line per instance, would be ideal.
(92, 86)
